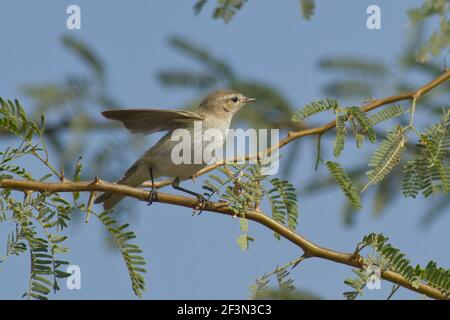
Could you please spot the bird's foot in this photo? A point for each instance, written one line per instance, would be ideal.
(202, 204)
(152, 196)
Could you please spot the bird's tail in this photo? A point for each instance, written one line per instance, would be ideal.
(134, 177)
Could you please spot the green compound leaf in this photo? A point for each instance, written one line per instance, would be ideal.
(131, 253)
(315, 107)
(429, 171)
(386, 157)
(345, 183)
(363, 121)
(387, 113)
(341, 134)
(283, 202)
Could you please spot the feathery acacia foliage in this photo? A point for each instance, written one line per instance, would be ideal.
(358, 284)
(200, 55)
(363, 121)
(358, 119)
(440, 39)
(387, 156)
(429, 170)
(244, 187)
(436, 277)
(315, 107)
(341, 134)
(360, 124)
(393, 258)
(345, 183)
(226, 9)
(131, 253)
(376, 77)
(244, 190)
(260, 289)
(284, 283)
(268, 98)
(89, 57)
(40, 218)
(283, 202)
(354, 65)
(260, 285)
(437, 42)
(387, 113)
(390, 258)
(14, 119)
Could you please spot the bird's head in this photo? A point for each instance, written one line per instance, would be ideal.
(224, 101)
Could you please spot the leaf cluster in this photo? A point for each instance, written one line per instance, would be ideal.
(387, 257)
(227, 9)
(245, 186)
(429, 170)
(40, 219)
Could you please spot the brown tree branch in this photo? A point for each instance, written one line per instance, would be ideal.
(310, 249)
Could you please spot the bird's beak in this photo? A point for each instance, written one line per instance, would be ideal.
(247, 100)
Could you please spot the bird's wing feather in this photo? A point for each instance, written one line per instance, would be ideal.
(151, 120)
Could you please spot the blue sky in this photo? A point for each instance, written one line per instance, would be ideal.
(196, 257)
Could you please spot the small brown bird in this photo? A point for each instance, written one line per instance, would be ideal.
(215, 112)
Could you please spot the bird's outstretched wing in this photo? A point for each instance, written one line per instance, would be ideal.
(151, 120)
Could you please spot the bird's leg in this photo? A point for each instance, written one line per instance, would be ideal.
(176, 185)
(202, 201)
(152, 195)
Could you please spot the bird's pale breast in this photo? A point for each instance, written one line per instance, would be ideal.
(160, 157)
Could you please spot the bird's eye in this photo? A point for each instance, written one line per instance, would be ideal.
(235, 99)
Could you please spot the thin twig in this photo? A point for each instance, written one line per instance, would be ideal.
(395, 287)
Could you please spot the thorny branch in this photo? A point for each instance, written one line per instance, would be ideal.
(310, 249)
